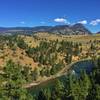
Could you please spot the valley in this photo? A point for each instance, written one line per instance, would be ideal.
(29, 61)
(49, 50)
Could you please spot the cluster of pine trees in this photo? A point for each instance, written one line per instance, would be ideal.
(14, 76)
(46, 54)
(83, 87)
(12, 79)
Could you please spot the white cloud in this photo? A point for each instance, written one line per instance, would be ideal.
(61, 20)
(22, 22)
(95, 22)
(83, 22)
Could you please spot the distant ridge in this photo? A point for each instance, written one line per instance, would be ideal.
(98, 32)
(77, 29)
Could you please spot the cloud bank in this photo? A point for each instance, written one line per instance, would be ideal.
(63, 20)
(95, 22)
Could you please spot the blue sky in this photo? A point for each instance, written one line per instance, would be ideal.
(50, 12)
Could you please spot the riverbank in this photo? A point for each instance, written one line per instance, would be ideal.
(63, 72)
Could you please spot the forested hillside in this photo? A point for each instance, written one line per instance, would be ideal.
(27, 62)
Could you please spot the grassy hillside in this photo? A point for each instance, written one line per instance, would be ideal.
(27, 61)
(19, 55)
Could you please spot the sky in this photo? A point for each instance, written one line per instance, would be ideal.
(30, 13)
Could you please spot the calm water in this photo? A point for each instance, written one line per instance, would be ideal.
(83, 65)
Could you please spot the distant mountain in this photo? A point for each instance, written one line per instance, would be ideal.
(98, 32)
(78, 29)
(61, 29)
(70, 30)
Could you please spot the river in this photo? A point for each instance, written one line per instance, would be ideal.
(86, 65)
